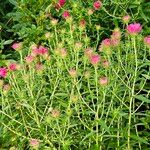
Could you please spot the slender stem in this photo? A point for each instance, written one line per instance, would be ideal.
(132, 94)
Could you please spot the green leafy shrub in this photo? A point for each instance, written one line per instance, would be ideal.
(66, 89)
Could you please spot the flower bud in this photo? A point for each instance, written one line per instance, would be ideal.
(34, 143)
(73, 73)
(103, 81)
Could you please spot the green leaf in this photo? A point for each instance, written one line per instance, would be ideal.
(142, 98)
(104, 125)
(8, 42)
(13, 2)
(141, 140)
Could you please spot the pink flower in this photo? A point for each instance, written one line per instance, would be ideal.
(12, 67)
(94, 59)
(116, 34)
(66, 14)
(134, 28)
(3, 72)
(126, 19)
(106, 42)
(39, 66)
(147, 41)
(73, 73)
(34, 143)
(17, 46)
(29, 59)
(82, 23)
(42, 50)
(103, 81)
(60, 4)
(97, 5)
(115, 42)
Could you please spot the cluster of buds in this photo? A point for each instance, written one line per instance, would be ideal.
(111, 42)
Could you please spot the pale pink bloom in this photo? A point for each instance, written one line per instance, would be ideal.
(34, 143)
(63, 52)
(73, 73)
(134, 28)
(35, 52)
(97, 5)
(147, 41)
(29, 59)
(116, 34)
(47, 35)
(6, 87)
(17, 46)
(88, 52)
(54, 22)
(12, 67)
(3, 72)
(95, 59)
(103, 81)
(115, 42)
(90, 12)
(55, 113)
(106, 42)
(39, 66)
(66, 14)
(105, 64)
(126, 19)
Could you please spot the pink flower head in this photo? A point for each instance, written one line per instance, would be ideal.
(115, 42)
(103, 81)
(106, 42)
(82, 23)
(29, 59)
(66, 14)
(97, 5)
(60, 4)
(73, 73)
(42, 50)
(17, 46)
(116, 34)
(3, 72)
(134, 28)
(12, 67)
(147, 41)
(34, 143)
(126, 19)
(94, 59)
